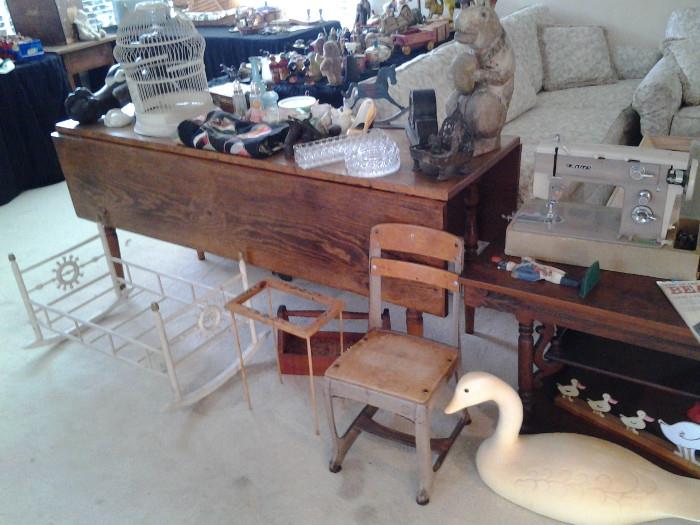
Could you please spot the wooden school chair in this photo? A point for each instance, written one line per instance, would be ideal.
(398, 372)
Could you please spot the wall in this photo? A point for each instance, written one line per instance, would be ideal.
(632, 22)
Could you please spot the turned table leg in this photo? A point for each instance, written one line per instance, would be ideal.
(471, 242)
(526, 356)
(200, 255)
(414, 322)
(113, 243)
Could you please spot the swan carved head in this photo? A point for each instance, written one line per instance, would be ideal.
(473, 389)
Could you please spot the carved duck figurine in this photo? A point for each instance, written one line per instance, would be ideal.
(602, 406)
(570, 477)
(638, 422)
(571, 391)
(686, 436)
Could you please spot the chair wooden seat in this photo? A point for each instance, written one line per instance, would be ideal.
(400, 365)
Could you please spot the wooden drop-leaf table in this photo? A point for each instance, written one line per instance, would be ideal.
(313, 224)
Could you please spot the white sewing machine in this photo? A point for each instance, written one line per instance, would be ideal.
(634, 238)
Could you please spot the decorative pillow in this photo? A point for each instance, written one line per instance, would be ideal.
(658, 97)
(687, 55)
(524, 96)
(521, 28)
(683, 23)
(575, 56)
(634, 62)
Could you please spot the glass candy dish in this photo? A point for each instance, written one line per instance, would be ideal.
(380, 154)
(373, 158)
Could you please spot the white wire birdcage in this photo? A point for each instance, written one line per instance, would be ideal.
(162, 55)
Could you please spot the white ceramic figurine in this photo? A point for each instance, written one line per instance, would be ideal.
(570, 477)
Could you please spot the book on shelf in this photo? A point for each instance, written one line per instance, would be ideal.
(685, 298)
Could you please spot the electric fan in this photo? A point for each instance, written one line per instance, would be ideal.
(162, 55)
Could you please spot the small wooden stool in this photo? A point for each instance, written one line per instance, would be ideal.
(241, 305)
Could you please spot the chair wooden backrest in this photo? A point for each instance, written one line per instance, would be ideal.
(414, 240)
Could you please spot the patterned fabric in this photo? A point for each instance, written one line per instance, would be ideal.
(634, 62)
(521, 28)
(658, 97)
(575, 56)
(583, 114)
(683, 23)
(686, 123)
(524, 96)
(687, 55)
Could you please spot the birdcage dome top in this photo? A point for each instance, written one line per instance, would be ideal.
(162, 55)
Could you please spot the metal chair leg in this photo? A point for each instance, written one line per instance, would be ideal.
(424, 454)
(341, 444)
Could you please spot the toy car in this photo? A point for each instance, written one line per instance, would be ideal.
(414, 38)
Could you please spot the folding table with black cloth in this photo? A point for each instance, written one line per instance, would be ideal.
(31, 102)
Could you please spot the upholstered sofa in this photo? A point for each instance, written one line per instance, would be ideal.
(588, 113)
(668, 99)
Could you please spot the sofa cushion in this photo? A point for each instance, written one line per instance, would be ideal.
(687, 55)
(575, 56)
(580, 115)
(658, 97)
(686, 123)
(634, 62)
(683, 23)
(524, 96)
(521, 28)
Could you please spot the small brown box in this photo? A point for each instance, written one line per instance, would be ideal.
(46, 20)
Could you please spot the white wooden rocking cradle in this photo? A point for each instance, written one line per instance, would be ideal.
(147, 318)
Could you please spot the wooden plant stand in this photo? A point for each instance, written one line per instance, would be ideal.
(241, 306)
(291, 350)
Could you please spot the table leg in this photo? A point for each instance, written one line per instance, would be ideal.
(200, 255)
(469, 314)
(414, 322)
(113, 243)
(471, 230)
(526, 356)
(471, 242)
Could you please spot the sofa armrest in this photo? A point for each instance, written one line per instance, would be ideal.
(658, 97)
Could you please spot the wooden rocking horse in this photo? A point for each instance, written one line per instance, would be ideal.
(378, 90)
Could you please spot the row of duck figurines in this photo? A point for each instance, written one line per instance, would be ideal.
(685, 435)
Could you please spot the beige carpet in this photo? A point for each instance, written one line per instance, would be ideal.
(84, 438)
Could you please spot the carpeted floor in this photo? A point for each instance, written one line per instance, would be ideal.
(85, 439)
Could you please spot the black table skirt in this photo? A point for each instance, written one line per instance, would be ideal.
(231, 49)
(31, 102)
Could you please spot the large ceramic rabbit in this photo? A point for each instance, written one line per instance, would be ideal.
(483, 74)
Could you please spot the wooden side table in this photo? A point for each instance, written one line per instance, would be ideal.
(241, 306)
(627, 308)
(84, 56)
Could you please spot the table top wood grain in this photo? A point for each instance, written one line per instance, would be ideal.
(405, 181)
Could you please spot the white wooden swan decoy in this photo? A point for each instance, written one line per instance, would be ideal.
(686, 436)
(570, 477)
(602, 406)
(636, 423)
(571, 391)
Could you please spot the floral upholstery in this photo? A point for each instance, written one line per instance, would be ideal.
(686, 123)
(658, 97)
(687, 55)
(633, 62)
(683, 23)
(575, 56)
(583, 114)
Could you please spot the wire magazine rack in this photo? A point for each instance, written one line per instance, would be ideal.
(151, 319)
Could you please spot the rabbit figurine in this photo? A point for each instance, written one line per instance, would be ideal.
(483, 75)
